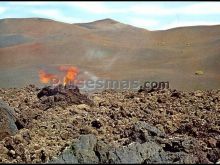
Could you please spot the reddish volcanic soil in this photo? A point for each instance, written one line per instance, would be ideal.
(109, 49)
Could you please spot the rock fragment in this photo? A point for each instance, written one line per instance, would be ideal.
(7, 121)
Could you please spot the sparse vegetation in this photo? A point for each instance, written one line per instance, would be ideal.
(199, 72)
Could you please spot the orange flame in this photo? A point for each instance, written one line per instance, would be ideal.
(46, 77)
(70, 75)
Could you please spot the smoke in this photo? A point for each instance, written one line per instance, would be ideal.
(110, 62)
(84, 77)
(105, 59)
(96, 54)
(90, 75)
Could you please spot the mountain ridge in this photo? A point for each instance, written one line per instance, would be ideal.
(105, 20)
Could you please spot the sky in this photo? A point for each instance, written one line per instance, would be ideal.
(149, 15)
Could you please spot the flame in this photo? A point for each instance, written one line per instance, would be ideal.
(46, 77)
(70, 75)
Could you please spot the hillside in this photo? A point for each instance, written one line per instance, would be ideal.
(109, 49)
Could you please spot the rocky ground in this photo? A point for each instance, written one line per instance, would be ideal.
(164, 126)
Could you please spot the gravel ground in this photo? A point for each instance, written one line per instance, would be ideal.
(181, 121)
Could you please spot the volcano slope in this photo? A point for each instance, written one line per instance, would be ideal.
(164, 126)
(111, 50)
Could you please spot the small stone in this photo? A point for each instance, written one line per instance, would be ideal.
(12, 152)
(176, 94)
(147, 110)
(97, 99)
(36, 147)
(64, 135)
(9, 143)
(3, 149)
(26, 135)
(85, 130)
(18, 158)
(161, 100)
(18, 138)
(20, 149)
(198, 93)
(97, 124)
(83, 107)
(26, 100)
(212, 142)
(137, 99)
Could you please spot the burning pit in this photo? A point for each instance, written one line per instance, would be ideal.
(62, 95)
(62, 90)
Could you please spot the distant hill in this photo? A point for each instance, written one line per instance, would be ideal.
(110, 49)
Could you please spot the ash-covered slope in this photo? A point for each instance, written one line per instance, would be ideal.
(110, 49)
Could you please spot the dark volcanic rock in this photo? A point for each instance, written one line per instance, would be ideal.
(143, 132)
(148, 90)
(82, 151)
(88, 150)
(176, 94)
(7, 121)
(85, 142)
(135, 153)
(66, 157)
(62, 96)
(96, 124)
(152, 130)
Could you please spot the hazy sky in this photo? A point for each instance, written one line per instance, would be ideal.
(149, 15)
